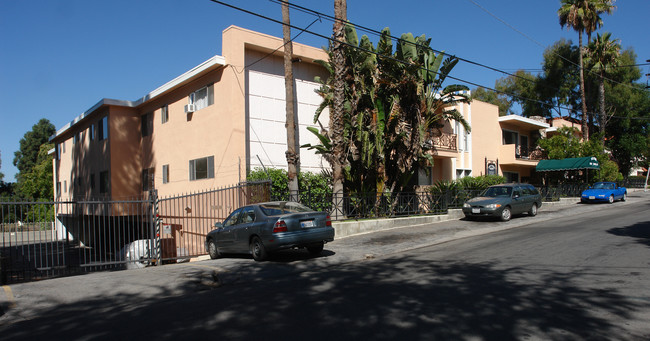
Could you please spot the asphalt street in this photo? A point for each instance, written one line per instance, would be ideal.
(356, 274)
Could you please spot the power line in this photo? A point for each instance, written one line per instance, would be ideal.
(395, 59)
(538, 43)
(378, 33)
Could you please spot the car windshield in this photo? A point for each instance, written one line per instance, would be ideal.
(602, 185)
(494, 192)
(279, 208)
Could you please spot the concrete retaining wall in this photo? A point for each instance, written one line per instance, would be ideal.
(350, 228)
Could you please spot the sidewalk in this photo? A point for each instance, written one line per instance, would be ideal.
(26, 300)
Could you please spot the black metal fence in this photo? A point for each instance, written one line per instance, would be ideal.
(49, 239)
(186, 219)
(41, 240)
(384, 205)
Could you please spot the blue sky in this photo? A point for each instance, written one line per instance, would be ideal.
(60, 57)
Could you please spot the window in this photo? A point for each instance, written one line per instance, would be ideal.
(58, 188)
(75, 138)
(91, 132)
(202, 168)
(203, 97)
(103, 182)
(148, 177)
(165, 174)
(461, 173)
(62, 147)
(232, 220)
(164, 113)
(92, 183)
(65, 186)
(102, 128)
(146, 124)
(463, 137)
(510, 137)
(511, 176)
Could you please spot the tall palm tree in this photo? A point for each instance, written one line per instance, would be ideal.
(602, 54)
(583, 16)
(338, 97)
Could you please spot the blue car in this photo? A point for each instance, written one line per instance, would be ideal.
(604, 192)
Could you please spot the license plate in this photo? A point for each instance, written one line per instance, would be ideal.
(476, 210)
(591, 197)
(307, 223)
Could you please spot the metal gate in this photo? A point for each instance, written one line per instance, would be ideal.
(185, 220)
(50, 239)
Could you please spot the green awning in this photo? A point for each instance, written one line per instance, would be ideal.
(588, 162)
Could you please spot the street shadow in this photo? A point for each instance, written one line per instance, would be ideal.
(381, 299)
(639, 231)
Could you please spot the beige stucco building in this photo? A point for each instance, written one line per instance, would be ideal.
(206, 128)
(202, 130)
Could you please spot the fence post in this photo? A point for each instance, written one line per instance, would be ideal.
(156, 225)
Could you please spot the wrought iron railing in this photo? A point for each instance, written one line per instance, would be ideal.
(445, 141)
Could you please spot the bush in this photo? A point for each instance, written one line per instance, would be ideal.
(314, 188)
(467, 183)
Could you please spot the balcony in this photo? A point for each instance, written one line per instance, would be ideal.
(445, 141)
(444, 145)
(510, 154)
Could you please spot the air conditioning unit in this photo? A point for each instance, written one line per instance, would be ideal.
(190, 108)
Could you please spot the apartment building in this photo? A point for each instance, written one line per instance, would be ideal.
(496, 145)
(204, 129)
(209, 126)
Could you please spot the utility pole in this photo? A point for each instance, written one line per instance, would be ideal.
(293, 157)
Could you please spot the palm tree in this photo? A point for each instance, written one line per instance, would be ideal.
(292, 153)
(583, 16)
(602, 54)
(338, 98)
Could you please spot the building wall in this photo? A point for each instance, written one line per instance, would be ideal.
(267, 112)
(486, 135)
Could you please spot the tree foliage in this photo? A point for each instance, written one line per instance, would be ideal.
(27, 155)
(37, 183)
(566, 144)
(394, 102)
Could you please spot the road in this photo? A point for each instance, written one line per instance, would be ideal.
(582, 273)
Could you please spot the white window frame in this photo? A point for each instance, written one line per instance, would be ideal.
(209, 168)
(164, 114)
(203, 97)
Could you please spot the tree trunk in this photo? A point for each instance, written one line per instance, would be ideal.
(293, 156)
(337, 114)
(585, 126)
(601, 98)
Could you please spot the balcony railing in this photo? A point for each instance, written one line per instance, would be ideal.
(445, 141)
(524, 153)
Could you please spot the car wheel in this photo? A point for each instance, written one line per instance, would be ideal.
(258, 250)
(212, 250)
(611, 199)
(533, 210)
(624, 197)
(315, 249)
(506, 214)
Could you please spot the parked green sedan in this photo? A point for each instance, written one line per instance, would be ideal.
(503, 201)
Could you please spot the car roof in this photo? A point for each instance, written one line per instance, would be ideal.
(512, 184)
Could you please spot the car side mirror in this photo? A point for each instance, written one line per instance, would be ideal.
(218, 225)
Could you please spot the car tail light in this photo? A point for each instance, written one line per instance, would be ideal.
(328, 221)
(280, 226)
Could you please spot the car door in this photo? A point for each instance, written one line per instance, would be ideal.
(518, 200)
(226, 234)
(243, 230)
